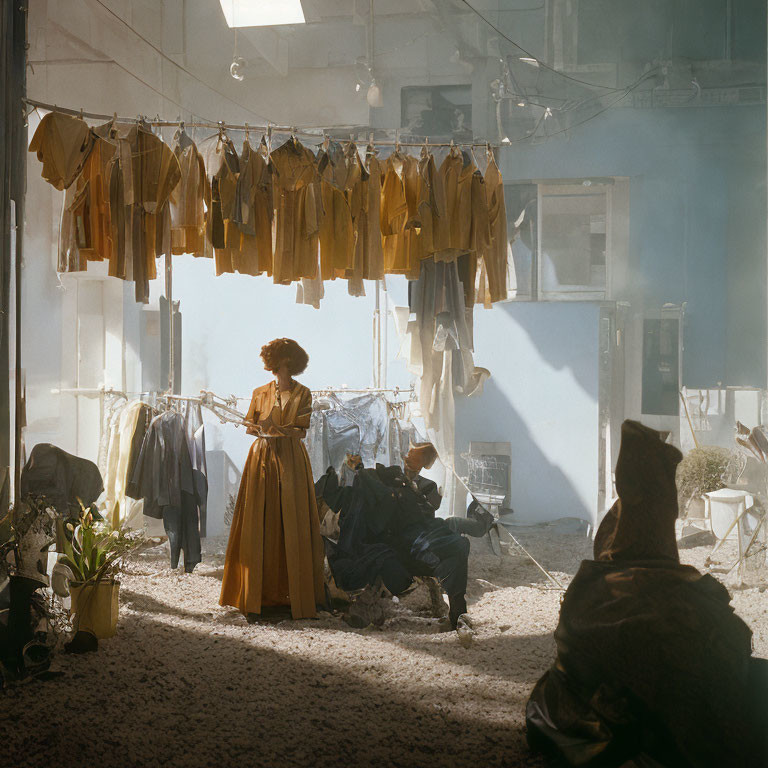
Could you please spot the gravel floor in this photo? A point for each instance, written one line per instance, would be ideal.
(187, 683)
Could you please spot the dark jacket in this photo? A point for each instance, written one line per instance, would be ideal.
(64, 480)
(164, 468)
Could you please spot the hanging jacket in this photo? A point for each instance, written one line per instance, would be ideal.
(164, 467)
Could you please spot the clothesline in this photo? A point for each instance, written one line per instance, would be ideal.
(370, 390)
(206, 395)
(317, 132)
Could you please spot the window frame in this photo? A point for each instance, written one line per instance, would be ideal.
(577, 187)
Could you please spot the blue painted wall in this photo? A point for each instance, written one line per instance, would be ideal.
(542, 398)
(696, 235)
(697, 221)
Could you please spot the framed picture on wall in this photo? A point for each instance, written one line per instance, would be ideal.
(440, 111)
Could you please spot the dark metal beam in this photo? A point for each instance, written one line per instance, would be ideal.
(13, 145)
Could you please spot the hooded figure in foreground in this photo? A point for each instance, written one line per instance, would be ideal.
(651, 659)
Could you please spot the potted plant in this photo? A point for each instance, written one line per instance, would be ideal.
(93, 555)
(703, 470)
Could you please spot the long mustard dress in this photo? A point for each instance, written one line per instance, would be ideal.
(275, 551)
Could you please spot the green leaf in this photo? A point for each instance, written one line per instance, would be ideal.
(66, 544)
(77, 573)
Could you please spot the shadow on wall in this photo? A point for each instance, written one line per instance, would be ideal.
(550, 327)
(540, 490)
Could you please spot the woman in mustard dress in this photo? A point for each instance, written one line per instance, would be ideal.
(275, 551)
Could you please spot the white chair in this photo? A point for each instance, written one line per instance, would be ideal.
(731, 519)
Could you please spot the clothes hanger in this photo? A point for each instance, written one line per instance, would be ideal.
(474, 159)
(425, 148)
(489, 153)
(182, 138)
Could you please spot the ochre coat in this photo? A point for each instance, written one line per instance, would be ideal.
(275, 552)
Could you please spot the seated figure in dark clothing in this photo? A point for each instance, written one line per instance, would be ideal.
(652, 663)
(478, 521)
(388, 531)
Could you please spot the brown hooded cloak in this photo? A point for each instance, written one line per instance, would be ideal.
(651, 658)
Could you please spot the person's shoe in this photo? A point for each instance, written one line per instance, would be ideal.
(465, 630)
(476, 512)
(457, 606)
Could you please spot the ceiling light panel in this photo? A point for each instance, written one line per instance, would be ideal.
(262, 13)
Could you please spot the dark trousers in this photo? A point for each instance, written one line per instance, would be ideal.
(467, 525)
(442, 553)
(183, 530)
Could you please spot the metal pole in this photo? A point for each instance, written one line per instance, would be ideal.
(517, 543)
(171, 329)
(385, 335)
(20, 76)
(377, 337)
(311, 132)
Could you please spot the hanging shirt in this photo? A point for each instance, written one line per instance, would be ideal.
(337, 238)
(495, 252)
(62, 143)
(147, 172)
(222, 167)
(299, 211)
(399, 218)
(368, 225)
(355, 194)
(252, 213)
(456, 173)
(86, 231)
(435, 229)
(187, 209)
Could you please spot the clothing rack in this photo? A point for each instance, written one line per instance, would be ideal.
(368, 391)
(314, 132)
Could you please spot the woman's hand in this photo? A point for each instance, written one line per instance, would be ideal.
(266, 424)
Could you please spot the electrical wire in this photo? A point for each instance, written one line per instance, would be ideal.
(176, 64)
(530, 55)
(532, 134)
(522, 10)
(592, 117)
(128, 72)
(580, 103)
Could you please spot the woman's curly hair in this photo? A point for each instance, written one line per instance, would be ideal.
(285, 351)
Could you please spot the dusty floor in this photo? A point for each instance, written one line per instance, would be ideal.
(187, 683)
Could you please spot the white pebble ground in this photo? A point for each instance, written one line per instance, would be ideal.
(187, 683)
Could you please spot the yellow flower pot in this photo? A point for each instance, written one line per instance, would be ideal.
(95, 606)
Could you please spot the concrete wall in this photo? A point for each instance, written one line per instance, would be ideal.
(543, 398)
(696, 236)
(697, 232)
